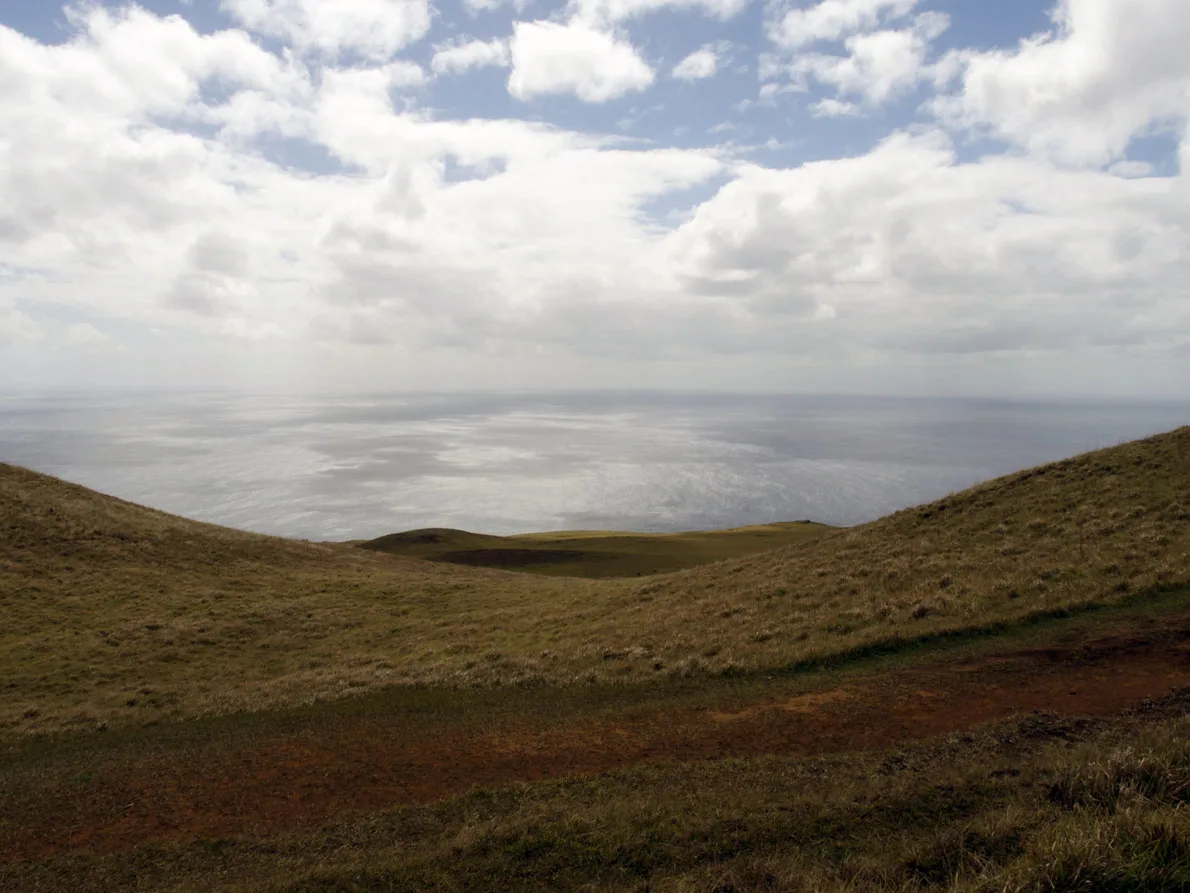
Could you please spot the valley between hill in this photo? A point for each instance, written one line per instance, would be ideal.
(184, 702)
(595, 553)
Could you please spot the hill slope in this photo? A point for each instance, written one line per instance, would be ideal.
(1096, 527)
(46, 524)
(115, 613)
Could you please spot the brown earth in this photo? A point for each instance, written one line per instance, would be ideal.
(329, 768)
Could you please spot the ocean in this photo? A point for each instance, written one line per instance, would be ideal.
(339, 468)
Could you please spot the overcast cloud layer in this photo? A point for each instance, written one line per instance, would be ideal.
(873, 195)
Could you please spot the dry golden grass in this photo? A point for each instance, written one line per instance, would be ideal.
(113, 613)
(1092, 529)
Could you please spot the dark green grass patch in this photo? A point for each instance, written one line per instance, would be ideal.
(594, 554)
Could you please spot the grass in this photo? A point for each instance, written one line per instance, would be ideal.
(118, 618)
(445, 708)
(1037, 804)
(120, 615)
(594, 553)
(980, 812)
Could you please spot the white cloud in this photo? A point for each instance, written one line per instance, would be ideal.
(616, 11)
(376, 81)
(144, 222)
(834, 108)
(698, 65)
(463, 57)
(768, 93)
(16, 326)
(1131, 169)
(132, 63)
(475, 7)
(878, 65)
(916, 253)
(81, 334)
(1108, 73)
(376, 29)
(879, 62)
(506, 238)
(593, 64)
(769, 66)
(833, 20)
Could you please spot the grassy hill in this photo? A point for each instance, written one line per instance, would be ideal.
(122, 615)
(986, 693)
(594, 553)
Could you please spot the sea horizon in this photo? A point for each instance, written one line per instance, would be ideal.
(355, 466)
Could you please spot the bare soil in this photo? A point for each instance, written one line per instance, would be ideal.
(338, 767)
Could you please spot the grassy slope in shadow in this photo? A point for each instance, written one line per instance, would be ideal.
(594, 553)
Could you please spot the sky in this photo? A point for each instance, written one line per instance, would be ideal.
(927, 197)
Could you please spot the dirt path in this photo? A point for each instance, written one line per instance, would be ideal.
(352, 765)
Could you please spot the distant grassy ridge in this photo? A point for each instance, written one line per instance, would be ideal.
(114, 613)
(594, 553)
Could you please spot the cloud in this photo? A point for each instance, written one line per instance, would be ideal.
(834, 108)
(833, 20)
(16, 326)
(698, 65)
(83, 333)
(460, 58)
(144, 221)
(879, 62)
(138, 188)
(1107, 73)
(908, 250)
(1131, 169)
(594, 65)
(475, 7)
(132, 64)
(878, 65)
(375, 29)
(612, 12)
(217, 252)
(97, 164)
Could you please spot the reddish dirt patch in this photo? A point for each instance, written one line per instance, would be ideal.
(337, 767)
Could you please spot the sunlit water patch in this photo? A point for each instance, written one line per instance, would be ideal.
(327, 468)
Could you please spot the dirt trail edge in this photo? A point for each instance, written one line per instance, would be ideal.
(355, 765)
